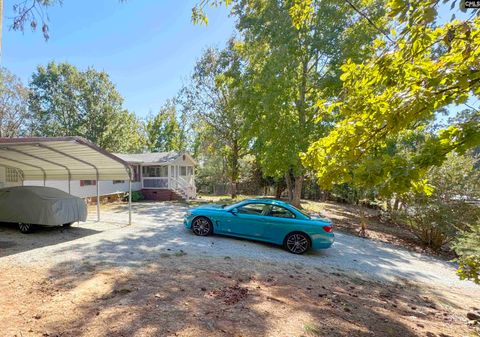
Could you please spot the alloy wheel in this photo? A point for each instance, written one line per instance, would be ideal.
(201, 226)
(297, 243)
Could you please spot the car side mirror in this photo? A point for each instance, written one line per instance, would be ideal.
(234, 211)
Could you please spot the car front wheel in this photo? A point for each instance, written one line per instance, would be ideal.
(25, 227)
(202, 226)
(297, 243)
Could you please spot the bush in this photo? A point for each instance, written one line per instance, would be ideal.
(136, 196)
(467, 247)
(435, 223)
(445, 211)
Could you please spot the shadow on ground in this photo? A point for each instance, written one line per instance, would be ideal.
(12, 241)
(183, 295)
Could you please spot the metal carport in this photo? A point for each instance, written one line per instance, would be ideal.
(64, 158)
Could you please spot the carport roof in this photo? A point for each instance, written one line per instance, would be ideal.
(61, 158)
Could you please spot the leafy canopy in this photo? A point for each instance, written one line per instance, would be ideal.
(66, 101)
(423, 69)
(164, 131)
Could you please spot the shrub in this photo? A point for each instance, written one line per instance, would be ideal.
(467, 247)
(136, 196)
(447, 211)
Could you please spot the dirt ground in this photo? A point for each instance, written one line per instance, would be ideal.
(347, 219)
(184, 295)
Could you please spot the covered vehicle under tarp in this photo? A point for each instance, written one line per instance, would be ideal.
(40, 205)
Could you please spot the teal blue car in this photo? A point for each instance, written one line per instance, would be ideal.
(267, 220)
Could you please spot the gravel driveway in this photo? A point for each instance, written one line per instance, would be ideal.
(158, 230)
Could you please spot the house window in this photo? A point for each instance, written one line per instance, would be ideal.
(118, 181)
(183, 170)
(88, 182)
(11, 175)
(155, 171)
(189, 170)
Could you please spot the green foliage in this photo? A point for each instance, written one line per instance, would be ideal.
(448, 211)
(136, 196)
(13, 105)
(198, 11)
(395, 92)
(164, 131)
(65, 101)
(211, 100)
(291, 52)
(468, 249)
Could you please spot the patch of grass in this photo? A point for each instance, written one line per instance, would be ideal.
(180, 253)
(312, 330)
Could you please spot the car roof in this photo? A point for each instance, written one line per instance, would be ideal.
(268, 201)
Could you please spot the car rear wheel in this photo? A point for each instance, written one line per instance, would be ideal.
(202, 226)
(25, 227)
(297, 243)
(68, 224)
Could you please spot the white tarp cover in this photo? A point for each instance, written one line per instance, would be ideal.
(61, 158)
(40, 206)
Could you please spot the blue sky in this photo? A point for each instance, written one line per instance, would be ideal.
(147, 47)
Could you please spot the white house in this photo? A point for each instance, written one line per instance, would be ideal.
(160, 176)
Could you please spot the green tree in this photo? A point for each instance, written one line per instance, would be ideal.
(291, 51)
(66, 101)
(13, 105)
(211, 99)
(164, 131)
(417, 71)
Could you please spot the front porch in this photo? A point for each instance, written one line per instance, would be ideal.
(168, 182)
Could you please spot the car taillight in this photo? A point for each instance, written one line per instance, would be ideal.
(328, 229)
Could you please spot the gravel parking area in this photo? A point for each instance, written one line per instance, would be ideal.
(158, 229)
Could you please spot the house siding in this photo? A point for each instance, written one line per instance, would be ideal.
(109, 188)
(105, 187)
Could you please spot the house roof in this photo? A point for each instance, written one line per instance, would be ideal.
(151, 157)
(61, 158)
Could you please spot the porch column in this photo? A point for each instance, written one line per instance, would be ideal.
(98, 198)
(169, 173)
(130, 201)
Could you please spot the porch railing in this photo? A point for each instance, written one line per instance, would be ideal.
(155, 182)
(186, 187)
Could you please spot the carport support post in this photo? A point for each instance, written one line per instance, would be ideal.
(98, 199)
(130, 201)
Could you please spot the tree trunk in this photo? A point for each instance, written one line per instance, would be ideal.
(235, 170)
(278, 191)
(288, 180)
(297, 192)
